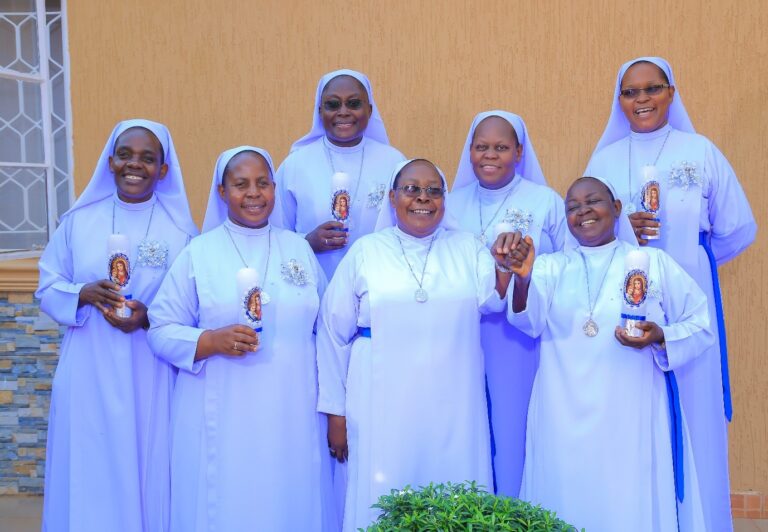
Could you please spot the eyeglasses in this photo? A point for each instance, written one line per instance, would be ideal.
(414, 191)
(334, 105)
(653, 90)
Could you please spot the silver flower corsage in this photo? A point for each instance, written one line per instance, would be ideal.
(376, 195)
(153, 253)
(685, 174)
(519, 219)
(293, 272)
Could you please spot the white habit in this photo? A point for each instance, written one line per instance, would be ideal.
(598, 449)
(511, 357)
(106, 463)
(248, 449)
(414, 393)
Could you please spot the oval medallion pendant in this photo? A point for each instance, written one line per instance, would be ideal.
(421, 295)
(590, 328)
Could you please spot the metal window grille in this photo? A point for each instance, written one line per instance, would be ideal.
(35, 124)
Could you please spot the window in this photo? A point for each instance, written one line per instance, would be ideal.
(35, 127)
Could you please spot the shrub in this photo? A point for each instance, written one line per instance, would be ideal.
(458, 507)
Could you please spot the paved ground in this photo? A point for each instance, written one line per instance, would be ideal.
(22, 514)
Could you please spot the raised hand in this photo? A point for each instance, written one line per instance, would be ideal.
(514, 252)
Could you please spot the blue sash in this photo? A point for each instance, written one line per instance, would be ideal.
(365, 332)
(704, 242)
(490, 428)
(676, 429)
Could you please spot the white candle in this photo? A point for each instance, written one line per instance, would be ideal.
(341, 181)
(636, 264)
(502, 227)
(118, 244)
(650, 173)
(247, 278)
(651, 197)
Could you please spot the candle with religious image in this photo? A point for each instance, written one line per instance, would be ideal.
(340, 198)
(635, 290)
(249, 298)
(650, 197)
(119, 269)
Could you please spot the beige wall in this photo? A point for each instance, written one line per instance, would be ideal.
(227, 73)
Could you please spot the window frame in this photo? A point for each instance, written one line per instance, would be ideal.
(43, 80)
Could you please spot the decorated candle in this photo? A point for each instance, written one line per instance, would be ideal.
(340, 198)
(249, 298)
(650, 197)
(635, 289)
(502, 227)
(119, 269)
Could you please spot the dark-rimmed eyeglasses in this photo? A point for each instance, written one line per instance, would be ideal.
(334, 105)
(414, 191)
(653, 90)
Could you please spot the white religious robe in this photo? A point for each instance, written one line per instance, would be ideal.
(511, 357)
(248, 449)
(598, 449)
(107, 459)
(716, 204)
(414, 393)
(305, 192)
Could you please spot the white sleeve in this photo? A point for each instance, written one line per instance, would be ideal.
(59, 294)
(488, 298)
(338, 326)
(733, 226)
(533, 318)
(174, 315)
(686, 331)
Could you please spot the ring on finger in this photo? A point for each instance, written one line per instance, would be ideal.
(235, 347)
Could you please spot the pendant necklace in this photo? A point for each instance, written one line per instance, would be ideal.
(630, 207)
(590, 327)
(359, 171)
(482, 237)
(420, 295)
(264, 296)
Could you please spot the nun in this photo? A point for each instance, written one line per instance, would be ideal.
(236, 316)
(401, 370)
(345, 155)
(499, 180)
(107, 460)
(701, 217)
(607, 444)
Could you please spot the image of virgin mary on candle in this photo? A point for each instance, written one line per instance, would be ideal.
(253, 305)
(635, 288)
(119, 269)
(651, 197)
(340, 206)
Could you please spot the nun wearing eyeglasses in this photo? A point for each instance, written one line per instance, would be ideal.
(607, 446)
(401, 370)
(682, 196)
(499, 180)
(106, 456)
(236, 315)
(344, 159)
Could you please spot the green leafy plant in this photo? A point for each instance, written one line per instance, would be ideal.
(458, 507)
